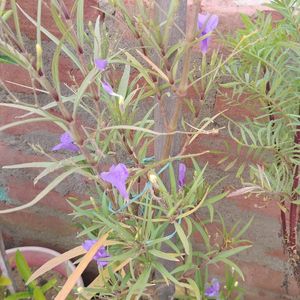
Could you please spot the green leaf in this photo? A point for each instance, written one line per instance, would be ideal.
(244, 229)
(164, 255)
(53, 38)
(168, 276)
(194, 288)
(215, 199)
(49, 285)
(5, 59)
(38, 294)
(227, 253)
(234, 266)
(123, 85)
(23, 268)
(18, 296)
(183, 238)
(80, 21)
(81, 91)
(4, 281)
(139, 286)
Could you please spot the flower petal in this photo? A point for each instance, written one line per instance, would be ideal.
(101, 64)
(117, 176)
(214, 289)
(101, 253)
(66, 138)
(201, 21)
(204, 45)
(57, 147)
(71, 147)
(207, 22)
(88, 244)
(107, 88)
(212, 23)
(181, 175)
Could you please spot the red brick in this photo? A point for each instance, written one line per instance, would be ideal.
(277, 253)
(9, 115)
(260, 282)
(67, 71)
(214, 144)
(16, 74)
(10, 156)
(36, 221)
(24, 191)
(257, 205)
(258, 276)
(233, 108)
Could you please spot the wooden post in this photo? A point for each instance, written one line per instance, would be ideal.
(169, 98)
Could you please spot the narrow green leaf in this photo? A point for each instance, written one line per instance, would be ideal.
(164, 255)
(194, 288)
(81, 91)
(123, 85)
(23, 268)
(228, 253)
(80, 21)
(183, 238)
(38, 294)
(139, 286)
(4, 281)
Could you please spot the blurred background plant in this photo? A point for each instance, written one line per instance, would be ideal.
(265, 73)
(12, 279)
(143, 211)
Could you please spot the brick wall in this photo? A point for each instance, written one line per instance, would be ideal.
(46, 224)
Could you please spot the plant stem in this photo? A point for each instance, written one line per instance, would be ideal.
(294, 207)
(191, 17)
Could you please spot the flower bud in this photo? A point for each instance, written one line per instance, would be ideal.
(153, 179)
(121, 104)
(39, 53)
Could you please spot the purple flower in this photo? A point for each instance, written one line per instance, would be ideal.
(107, 88)
(66, 143)
(214, 289)
(101, 253)
(181, 175)
(101, 64)
(117, 176)
(206, 23)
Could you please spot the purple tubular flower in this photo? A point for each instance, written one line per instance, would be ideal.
(181, 175)
(117, 176)
(66, 143)
(214, 289)
(206, 23)
(101, 253)
(101, 64)
(107, 88)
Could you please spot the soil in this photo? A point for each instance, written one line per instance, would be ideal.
(51, 293)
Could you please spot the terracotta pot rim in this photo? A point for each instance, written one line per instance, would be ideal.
(48, 252)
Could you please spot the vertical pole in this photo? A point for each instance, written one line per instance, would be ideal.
(168, 99)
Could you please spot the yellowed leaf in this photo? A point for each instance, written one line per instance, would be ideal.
(99, 280)
(56, 261)
(154, 66)
(70, 283)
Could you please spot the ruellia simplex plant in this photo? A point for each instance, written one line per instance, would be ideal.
(142, 212)
(267, 72)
